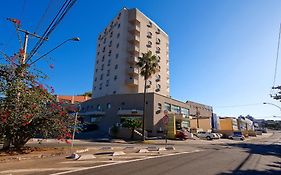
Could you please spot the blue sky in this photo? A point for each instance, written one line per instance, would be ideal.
(222, 52)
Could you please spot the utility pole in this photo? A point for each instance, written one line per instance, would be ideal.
(197, 114)
(26, 37)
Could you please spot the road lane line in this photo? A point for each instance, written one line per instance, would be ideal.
(116, 163)
(37, 170)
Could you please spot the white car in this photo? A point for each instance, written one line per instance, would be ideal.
(237, 136)
(206, 135)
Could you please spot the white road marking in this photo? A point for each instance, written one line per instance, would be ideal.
(115, 163)
(37, 170)
(93, 161)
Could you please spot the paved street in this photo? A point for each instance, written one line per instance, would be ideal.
(256, 156)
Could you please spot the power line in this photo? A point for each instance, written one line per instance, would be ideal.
(56, 20)
(277, 57)
(242, 105)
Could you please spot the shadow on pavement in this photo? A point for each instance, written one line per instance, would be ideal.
(258, 149)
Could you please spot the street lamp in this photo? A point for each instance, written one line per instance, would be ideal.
(71, 39)
(265, 103)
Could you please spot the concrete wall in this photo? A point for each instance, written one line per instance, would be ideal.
(204, 123)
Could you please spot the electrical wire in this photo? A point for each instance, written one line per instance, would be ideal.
(57, 19)
(43, 16)
(277, 57)
(243, 105)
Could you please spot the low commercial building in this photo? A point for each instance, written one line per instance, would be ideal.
(110, 110)
(246, 126)
(228, 125)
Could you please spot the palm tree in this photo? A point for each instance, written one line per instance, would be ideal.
(148, 65)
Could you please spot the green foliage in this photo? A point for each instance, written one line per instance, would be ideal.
(28, 108)
(131, 124)
(148, 65)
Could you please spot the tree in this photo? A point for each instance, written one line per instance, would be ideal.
(131, 124)
(148, 65)
(29, 108)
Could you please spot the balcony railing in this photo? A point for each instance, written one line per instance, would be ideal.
(134, 50)
(132, 81)
(133, 71)
(132, 60)
(134, 29)
(134, 39)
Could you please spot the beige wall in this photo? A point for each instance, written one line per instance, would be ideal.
(204, 123)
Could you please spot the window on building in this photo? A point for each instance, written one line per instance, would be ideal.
(99, 107)
(107, 83)
(158, 41)
(108, 105)
(101, 76)
(159, 106)
(158, 49)
(103, 50)
(102, 59)
(118, 26)
(110, 43)
(158, 58)
(117, 45)
(149, 34)
(149, 24)
(118, 35)
(114, 92)
(108, 63)
(149, 44)
(100, 86)
(115, 77)
(185, 111)
(98, 53)
(111, 33)
(175, 109)
(157, 31)
(158, 77)
(102, 66)
(116, 66)
(117, 55)
(109, 53)
(97, 61)
(104, 40)
(96, 70)
(107, 73)
(158, 87)
(95, 78)
(167, 106)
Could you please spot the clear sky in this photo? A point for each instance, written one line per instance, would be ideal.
(222, 52)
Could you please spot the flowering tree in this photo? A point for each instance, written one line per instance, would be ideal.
(28, 108)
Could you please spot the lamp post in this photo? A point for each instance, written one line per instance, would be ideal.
(71, 39)
(265, 103)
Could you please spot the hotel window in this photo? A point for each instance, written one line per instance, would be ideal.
(101, 76)
(118, 35)
(158, 31)
(149, 34)
(117, 45)
(111, 33)
(108, 63)
(108, 105)
(108, 72)
(97, 61)
(158, 49)
(158, 77)
(103, 50)
(158, 58)
(95, 78)
(116, 66)
(96, 70)
(110, 43)
(149, 24)
(115, 77)
(109, 53)
(158, 87)
(117, 55)
(118, 25)
(102, 66)
(102, 58)
(149, 44)
(158, 41)
(104, 40)
(100, 86)
(107, 83)
(98, 53)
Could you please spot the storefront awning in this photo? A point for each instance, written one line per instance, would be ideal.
(130, 112)
(91, 113)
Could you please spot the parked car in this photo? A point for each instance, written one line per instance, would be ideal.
(183, 134)
(237, 136)
(206, 135)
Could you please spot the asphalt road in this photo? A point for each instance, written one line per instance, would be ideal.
(254, 157)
